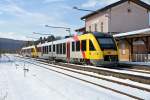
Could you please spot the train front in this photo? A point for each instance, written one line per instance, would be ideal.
(108, 50)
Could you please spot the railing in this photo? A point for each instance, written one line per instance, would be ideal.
(141, 57)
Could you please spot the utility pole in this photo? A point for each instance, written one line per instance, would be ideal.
(59, 27)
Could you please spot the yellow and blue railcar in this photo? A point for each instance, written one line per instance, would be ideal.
(93, 48)
(30, 51)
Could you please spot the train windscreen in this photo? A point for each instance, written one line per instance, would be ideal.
(107, 43)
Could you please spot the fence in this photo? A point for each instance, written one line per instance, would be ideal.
(141, 57)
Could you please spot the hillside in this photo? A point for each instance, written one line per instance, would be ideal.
(10, 44)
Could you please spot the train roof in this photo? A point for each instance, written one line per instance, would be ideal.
(100, 34)
(55, 42)
(96, 34)
(29, 47)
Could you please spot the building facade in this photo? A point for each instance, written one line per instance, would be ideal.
(122, 17)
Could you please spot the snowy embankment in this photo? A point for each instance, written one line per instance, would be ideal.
(125, 89)
(42, 84)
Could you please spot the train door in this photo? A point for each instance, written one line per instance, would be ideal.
(68, 51)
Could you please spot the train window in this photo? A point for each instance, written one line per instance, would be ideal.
(107, 43)
(73, 46)
(53, 48)
(43, 49)
(92, 48)
(83, 45)
(60, 48)
(77, 45)
(32, 50)
(39, 49)
(46, 49)
(49, 48)
(57, 48)
(64, 48)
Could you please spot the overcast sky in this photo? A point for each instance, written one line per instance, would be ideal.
(19, 18)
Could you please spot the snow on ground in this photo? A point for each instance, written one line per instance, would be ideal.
(42, 84)
(112, 78)
(125, 89)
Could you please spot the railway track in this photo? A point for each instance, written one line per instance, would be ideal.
(105, 71)
(88, 73)
(90, 82)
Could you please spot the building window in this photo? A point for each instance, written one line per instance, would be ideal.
(102, 27)
(78, 46)
(89, 28)
(95, 25)
(83, 45)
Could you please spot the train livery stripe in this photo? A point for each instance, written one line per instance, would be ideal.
(76, 38)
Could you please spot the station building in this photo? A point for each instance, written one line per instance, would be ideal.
(128, 21)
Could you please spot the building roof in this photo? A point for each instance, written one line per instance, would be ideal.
(138, 33)
(80, 29)
(139, 2)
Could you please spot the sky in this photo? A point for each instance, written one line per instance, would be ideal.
(20, 18)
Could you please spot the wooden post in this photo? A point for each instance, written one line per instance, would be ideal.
(147, 47)
(132, 49)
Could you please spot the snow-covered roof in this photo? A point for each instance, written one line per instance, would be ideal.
(143, 32)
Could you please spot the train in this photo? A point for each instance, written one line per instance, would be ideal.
(92, 48)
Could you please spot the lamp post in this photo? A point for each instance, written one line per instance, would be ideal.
(41, 33)
(66, 28)
(83, 9)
